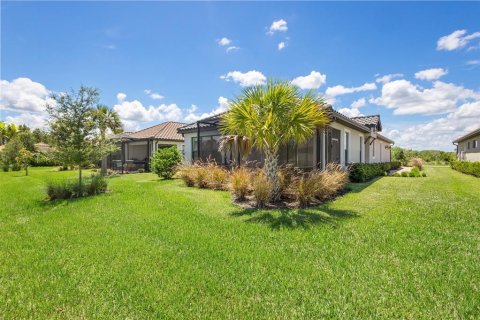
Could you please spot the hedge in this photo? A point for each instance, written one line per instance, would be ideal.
(360, 172)
(467, 167)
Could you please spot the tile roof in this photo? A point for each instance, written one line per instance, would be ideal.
(369, 121)
(162, 131)
(467, 136)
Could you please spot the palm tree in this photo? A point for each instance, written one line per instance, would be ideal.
(272, 115)
(106, 119)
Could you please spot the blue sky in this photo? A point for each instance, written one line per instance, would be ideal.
(158, 61)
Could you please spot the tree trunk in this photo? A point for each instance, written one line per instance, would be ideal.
(271, 168)
(103, 171)
(80, 178)
(26, 170)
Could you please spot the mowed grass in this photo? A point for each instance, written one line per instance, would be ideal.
(392, 248)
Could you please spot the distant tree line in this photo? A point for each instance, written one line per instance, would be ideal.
(430, 156)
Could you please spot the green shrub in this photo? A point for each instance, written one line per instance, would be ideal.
(396, 174)
(67, 189)
(5, 167)
(240, 183)
(467, 167)
(360, 172)
(404, 174)
(415, 172)
(262, 189)
(165, 161)
(16, 167)
(424, 174)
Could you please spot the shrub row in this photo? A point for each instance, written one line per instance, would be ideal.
(360, 172)
(414, 173)
(467, 167)
(297, 188)
(68, 189)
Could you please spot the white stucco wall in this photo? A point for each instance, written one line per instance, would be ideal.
(472, 154)
(354, 145)
(382, 152)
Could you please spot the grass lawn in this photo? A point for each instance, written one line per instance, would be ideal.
(392, 248)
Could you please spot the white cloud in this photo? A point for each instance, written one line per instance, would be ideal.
(232, 48)
(279, 25)
(153, 95)
(246, 79)
(31, 120)
(456, 40)
(223, 105)
(135, 112)
(407, 98)
(431, 74)
(354, 111)
(339, 90)
(224, 42)
(281, 45)
(388, 77)
(439, 133)
(473, 62)
(23, 94)
(312, 81)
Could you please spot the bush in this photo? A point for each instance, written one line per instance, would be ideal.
(329, 181)
(415, 172)
(404, 174)
(16, 167)
(217, 177)
(467, 167)
(262, 189)
(424, 174)
(305, 189)
(240, 183)
(165, 161)
(187, 174)
(68, 189)
(361, 172)
(418, 163)
(396, 174)
(5, 167)
(201, 176)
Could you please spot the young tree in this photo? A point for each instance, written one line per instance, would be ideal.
(24, 159)
(165, 161)
(272, 115)
(11, 151)
(106, 119)
(3, 133)
(73, 127)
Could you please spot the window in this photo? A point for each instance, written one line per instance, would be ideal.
(347, 146)
(208, 149)
(194, 149)
(475, 144)
(305, 154)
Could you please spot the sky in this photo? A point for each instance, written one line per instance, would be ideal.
(415, 64)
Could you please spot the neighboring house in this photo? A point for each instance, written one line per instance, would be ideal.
(344, 141)
(136, 148)
(42, 147)
(468, 146)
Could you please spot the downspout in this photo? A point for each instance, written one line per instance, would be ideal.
(123, 155)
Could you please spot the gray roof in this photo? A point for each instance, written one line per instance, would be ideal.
(469, 135)
(370, 121)
(205, 124)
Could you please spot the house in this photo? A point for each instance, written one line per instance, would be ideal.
(346, 140)
(136, 148)
(42, 147)
(468, 146)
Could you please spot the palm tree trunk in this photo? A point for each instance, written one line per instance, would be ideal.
(103, 171)
(271, 168)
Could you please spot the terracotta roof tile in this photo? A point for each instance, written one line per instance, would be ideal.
(162, 131)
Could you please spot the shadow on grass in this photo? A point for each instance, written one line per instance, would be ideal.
(296, 218)
(359, 186)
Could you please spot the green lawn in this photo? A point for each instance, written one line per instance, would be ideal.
(392, 248)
